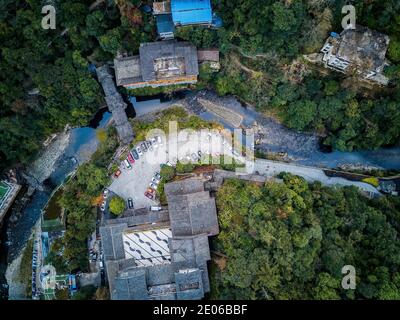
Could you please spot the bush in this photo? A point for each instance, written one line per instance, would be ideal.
(117, 205)
(372, 181)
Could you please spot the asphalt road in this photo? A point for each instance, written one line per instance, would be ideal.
(272, 168)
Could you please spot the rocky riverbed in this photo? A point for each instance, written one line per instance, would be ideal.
(44, 165)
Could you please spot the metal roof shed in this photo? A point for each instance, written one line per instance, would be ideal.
(187, 12)
(165, 26)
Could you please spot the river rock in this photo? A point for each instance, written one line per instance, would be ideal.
(44, 165)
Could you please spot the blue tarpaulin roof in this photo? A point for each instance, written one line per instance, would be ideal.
(187, 12)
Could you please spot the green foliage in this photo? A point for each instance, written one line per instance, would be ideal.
(111, 41)
(167, 172)
(200, 36)
(85, 293)
(290, 240)
(117, 205)
(270, 35)
(70, 253)
(55, 63)
(62, 294)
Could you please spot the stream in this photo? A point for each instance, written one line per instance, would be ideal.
(301, 148)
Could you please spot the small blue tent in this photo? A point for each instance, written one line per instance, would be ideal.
(187, 12)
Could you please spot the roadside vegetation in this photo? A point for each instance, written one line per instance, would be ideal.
(69, 253)
(176, 113)
(290, 240)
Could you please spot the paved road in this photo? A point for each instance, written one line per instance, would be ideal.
(272, 168)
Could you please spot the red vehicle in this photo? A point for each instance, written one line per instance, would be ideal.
(117, 173)
(149, 195)
(130, 158)
(150, 190)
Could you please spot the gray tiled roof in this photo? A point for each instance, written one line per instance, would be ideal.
(185, 276)
(127, 70)
(115, 104)
(140, 219)
(191, 209)
(131, 285)
(189, 284)
(151, 51)
(111, 237)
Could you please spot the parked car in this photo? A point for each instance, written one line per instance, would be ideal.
(149, 195)
(143, 146)
(199, 153)
(154, 142)
(194, 157)
(103, 206)
(153, 185)
(155, 180)
(157, 175)
(155, 208)
(105, 193)
(139, 151)
(130, 203)
(117, 173)
(130, 158)
(169, 164)
(159, 140)
(150, 190)
(149, 145)
(135, 154)
(127, 164)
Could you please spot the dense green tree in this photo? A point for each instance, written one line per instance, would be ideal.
(117, 205)
(290, 240)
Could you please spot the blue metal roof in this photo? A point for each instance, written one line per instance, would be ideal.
(164, 23)
(186, 12)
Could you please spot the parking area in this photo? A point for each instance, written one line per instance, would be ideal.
(133, 183)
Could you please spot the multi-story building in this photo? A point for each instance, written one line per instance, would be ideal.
(162, 255)
(360, 51)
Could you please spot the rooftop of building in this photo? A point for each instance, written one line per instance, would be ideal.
(157, 61)
(191, 209)
(364, 47)
(149, 257)
(165, 59)
(187, 12)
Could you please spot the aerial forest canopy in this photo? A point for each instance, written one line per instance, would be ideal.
(291, 240)
(45, 82)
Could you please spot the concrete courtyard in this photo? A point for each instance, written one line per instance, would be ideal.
(133, 183)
